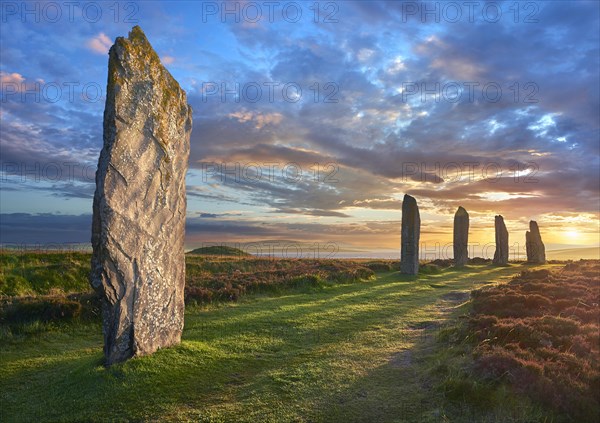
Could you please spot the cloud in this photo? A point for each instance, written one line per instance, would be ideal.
(12, 83)
(44, 229)
(208, 215)
(371, 133)
(311, 212)
(11, 78)
(167, 60)
(259, 119)
(99, 44)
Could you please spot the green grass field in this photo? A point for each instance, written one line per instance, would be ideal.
(361, 352)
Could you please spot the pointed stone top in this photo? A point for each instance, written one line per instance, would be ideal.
(409, 198)
(533, 226)
(137, 33)
(136, 75)
(461, 211)
(138, 38)
(138, 45)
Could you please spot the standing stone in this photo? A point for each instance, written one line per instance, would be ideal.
(501, 253)
(536, 252)
(461, 237)
(138, 226)
(411, 231)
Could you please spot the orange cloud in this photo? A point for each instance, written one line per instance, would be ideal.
(11, 78)
(18, 82)
(259, 119)
(100, 43)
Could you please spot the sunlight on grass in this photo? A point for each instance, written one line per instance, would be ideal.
(335, 354)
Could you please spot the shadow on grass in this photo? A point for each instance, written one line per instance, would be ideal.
(238, 360)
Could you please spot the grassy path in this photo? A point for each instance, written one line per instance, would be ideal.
(345, 353)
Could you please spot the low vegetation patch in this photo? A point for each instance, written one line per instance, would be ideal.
(49, 273)
(54, 286)
(220, 250)
(46, 310)
(539, 335)
(269, 275)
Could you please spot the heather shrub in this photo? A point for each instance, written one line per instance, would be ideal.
(43, 309)
(540, 334)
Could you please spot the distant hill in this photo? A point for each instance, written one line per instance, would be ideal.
(574, 253)
(219, 250)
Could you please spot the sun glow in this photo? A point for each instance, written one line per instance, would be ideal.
(572, 234)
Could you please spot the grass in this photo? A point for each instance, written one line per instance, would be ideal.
(208, 277)
(345, 352)
(54, 286)
(32, 273)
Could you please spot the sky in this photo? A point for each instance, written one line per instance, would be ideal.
(313, 119)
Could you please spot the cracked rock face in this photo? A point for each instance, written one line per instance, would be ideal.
(411, 231)
(138, 229)
(536, 252)
(461, 237)
(501, 253)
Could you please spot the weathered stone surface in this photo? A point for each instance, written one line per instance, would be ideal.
(501, 253)
(461, 237)
(411, 231)
(536, 252)
(138, 226)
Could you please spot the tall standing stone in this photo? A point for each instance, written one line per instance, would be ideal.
(411, 231)
(461, 237)
(536, 252)
(501, 253)
(138, 226)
